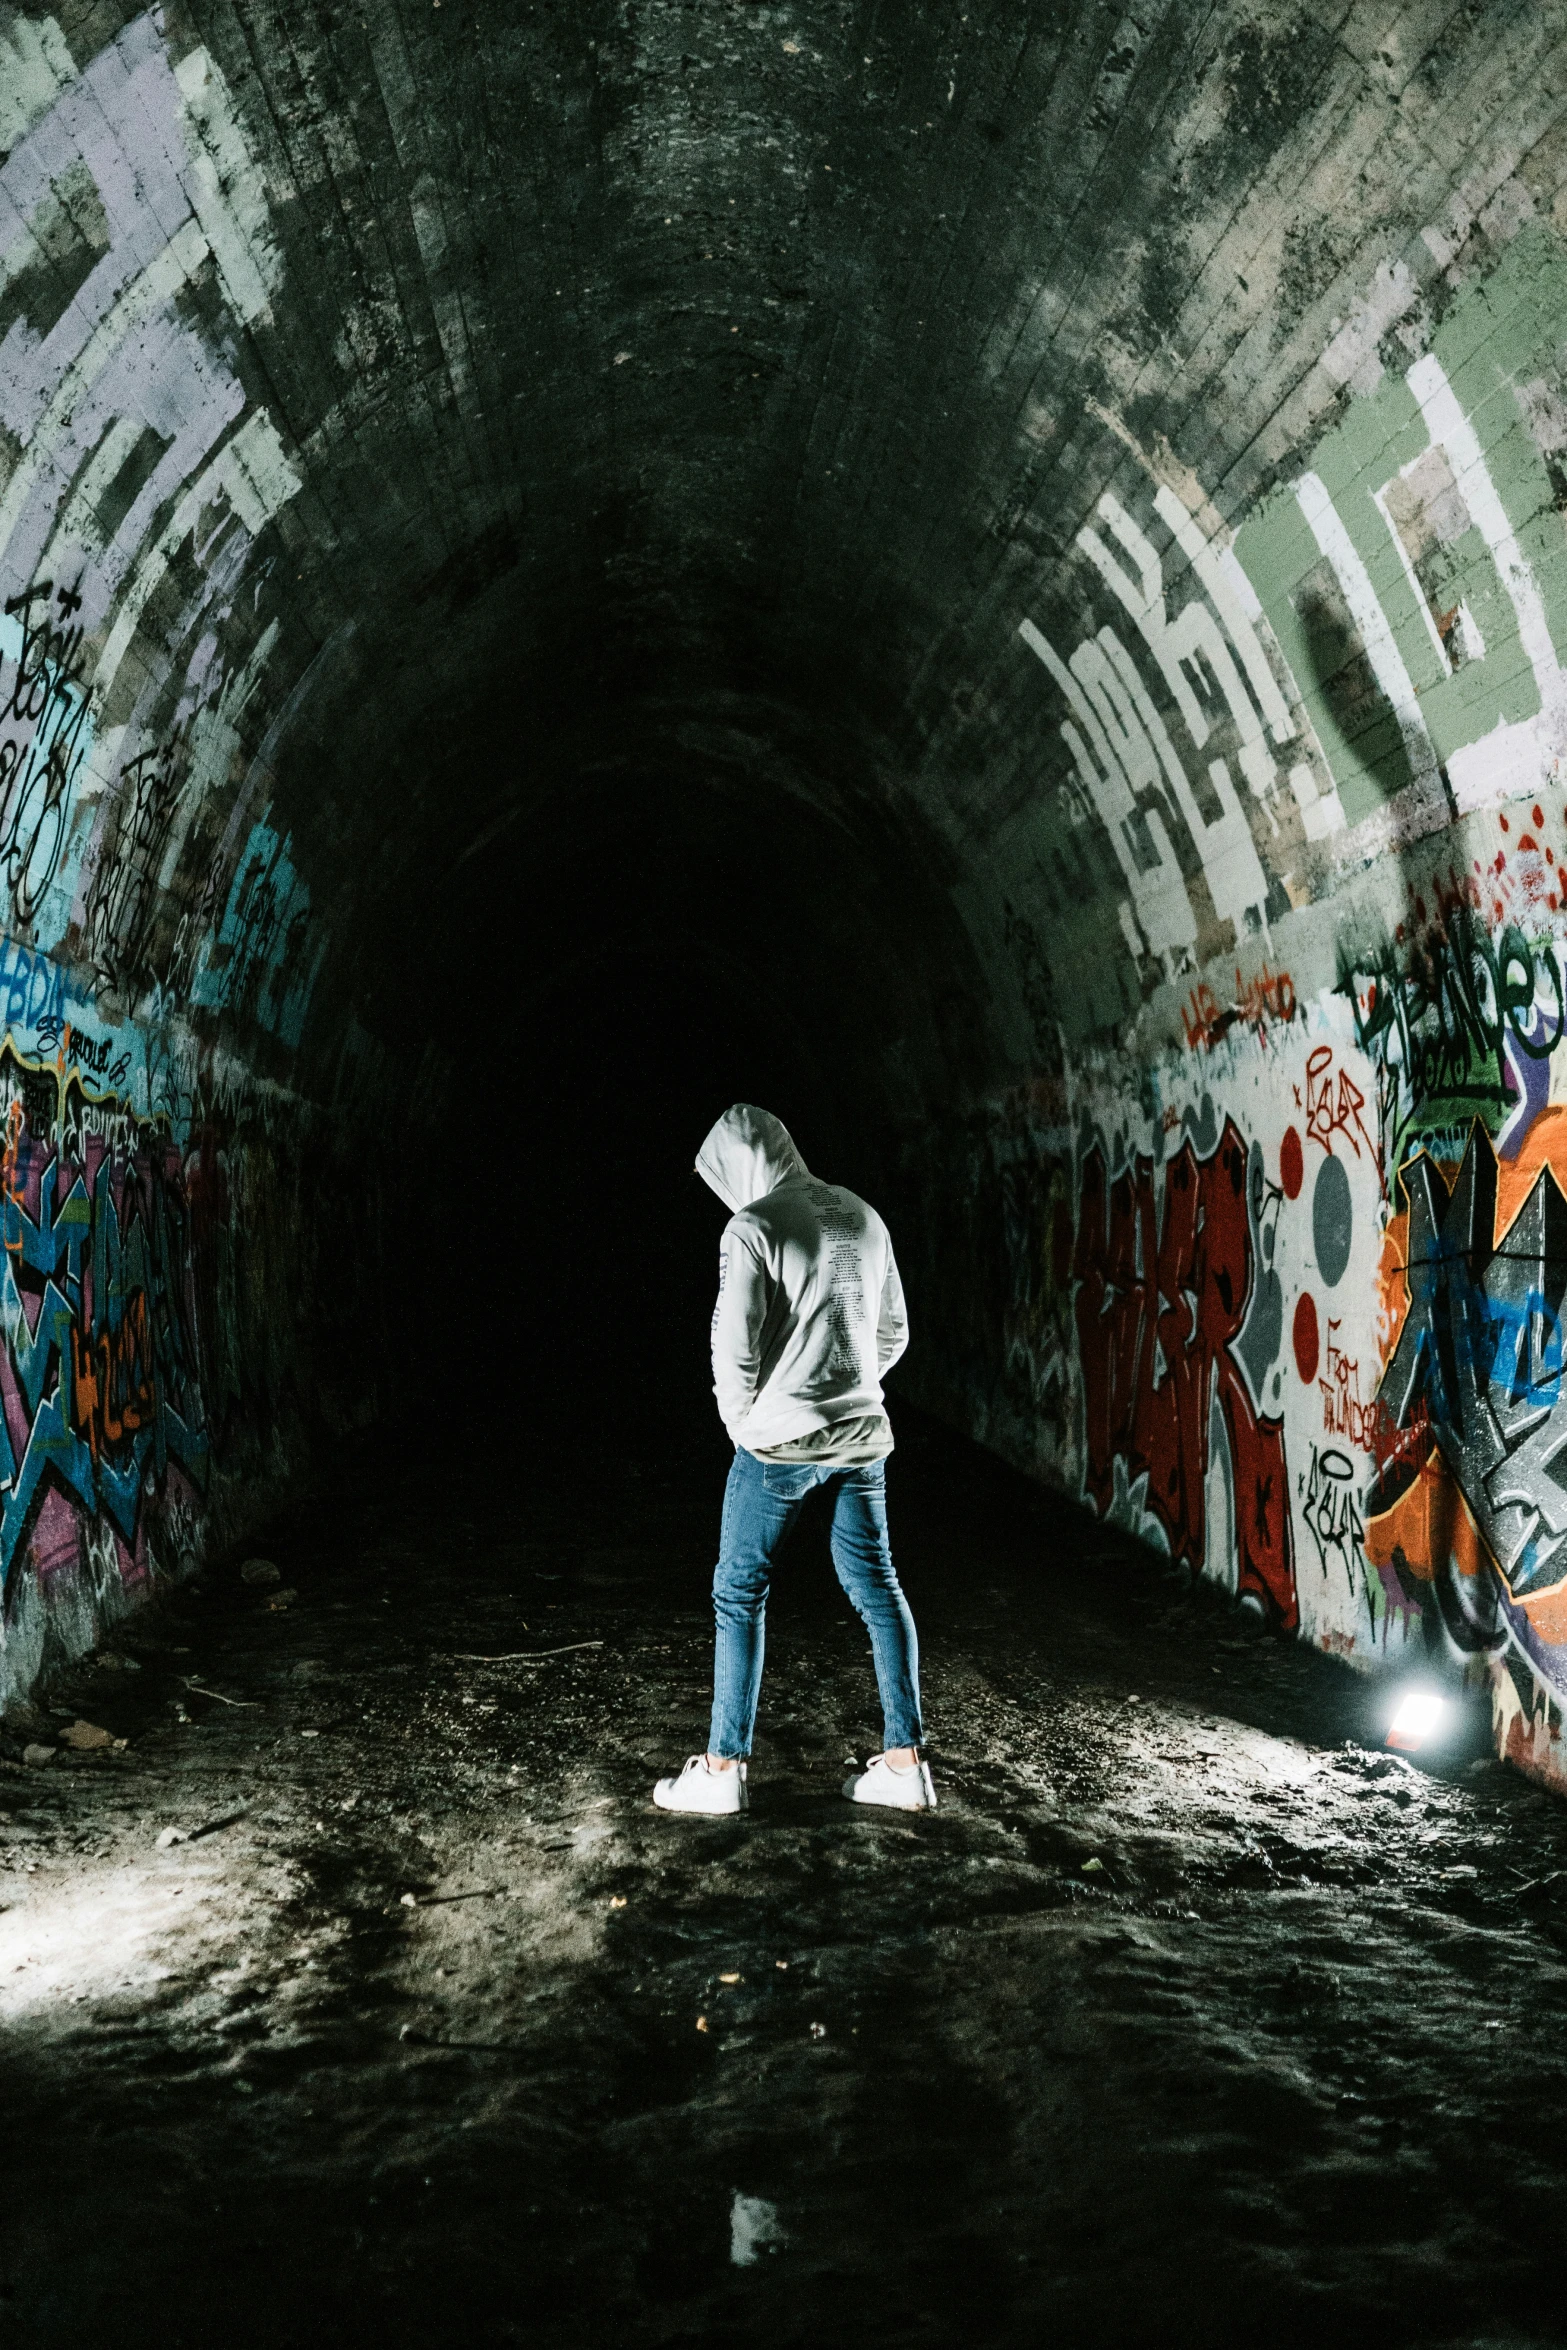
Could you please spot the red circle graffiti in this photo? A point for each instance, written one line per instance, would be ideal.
(1306, 1341)
(1292, 1164)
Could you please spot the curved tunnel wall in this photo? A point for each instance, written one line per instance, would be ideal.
(1028, 540)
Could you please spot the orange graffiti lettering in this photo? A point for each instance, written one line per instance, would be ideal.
(111, 1380)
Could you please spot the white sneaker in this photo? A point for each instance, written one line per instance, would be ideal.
(882, 1782)
(700, 1788)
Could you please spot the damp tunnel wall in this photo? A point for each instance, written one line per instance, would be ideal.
(1007, 562)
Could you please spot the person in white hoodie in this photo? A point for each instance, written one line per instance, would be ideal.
(809, 1317)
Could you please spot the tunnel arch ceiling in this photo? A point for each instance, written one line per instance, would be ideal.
(1087, 485)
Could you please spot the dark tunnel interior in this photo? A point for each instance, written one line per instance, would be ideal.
(669, 912)
(605, 1288)
(988, 577)
(654, 950)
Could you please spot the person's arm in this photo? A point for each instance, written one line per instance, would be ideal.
(739, 1323)
(892, 1323)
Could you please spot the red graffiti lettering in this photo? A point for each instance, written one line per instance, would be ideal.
(1268, 999)
(1371, 1425)
(1270, 996)
(1158, 1308)
(1202, 1019)
(1329, 1112)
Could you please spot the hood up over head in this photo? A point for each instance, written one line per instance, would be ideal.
(748, 1153)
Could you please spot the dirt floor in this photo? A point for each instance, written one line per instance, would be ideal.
(1188, 2015)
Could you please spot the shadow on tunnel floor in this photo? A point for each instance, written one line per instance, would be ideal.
(1180, 2020)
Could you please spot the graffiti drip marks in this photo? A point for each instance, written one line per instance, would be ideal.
(1480, 1353)
(1161, 1304)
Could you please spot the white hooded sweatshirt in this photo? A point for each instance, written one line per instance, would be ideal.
(810, 1307)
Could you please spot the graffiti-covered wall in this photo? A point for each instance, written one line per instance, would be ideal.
(164, 1181)
(1024, 545)
(1277, 1243)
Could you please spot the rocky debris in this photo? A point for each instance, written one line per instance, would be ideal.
(1371, 1763)
(754, 2229)
(88, 1737)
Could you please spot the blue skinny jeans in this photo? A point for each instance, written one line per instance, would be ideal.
(762, 1500)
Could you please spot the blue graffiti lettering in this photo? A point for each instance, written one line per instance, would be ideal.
(111, 1339)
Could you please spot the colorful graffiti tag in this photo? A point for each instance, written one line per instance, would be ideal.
(163, 936)
(1473, 1504)
(1359, 692)
(1464, 1024)
(1334, 1388)
(100, 1390)
(1163, 1296)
